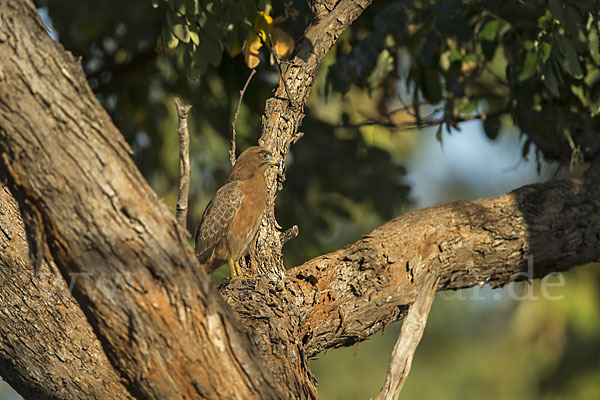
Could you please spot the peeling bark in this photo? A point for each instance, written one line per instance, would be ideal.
(556, 225)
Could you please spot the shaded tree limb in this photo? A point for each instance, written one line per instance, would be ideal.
(184, 162)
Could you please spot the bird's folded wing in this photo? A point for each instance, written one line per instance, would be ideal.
(217, 218)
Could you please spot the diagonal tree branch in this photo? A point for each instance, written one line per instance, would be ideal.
(282, 118)
(161, 323)
(413, 327)
(525, 234)
(45, 352)
(346, 296)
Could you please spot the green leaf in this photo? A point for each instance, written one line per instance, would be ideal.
(489, 49)
(169, 40)
(211, 49)
(490, 30)
(491, 126)
(550, 80)
(199, 63)
(545, 50)
(211, 28)
(438, 134)
(454, 84)
(528, 45)
(182, 32)
(194, 37)
(192, 7)
(595, 92)
(557, 11)
(573, 22)
(180, 8)
(467, 106)
(432, 87)
(429, 52)
(234, 40)
(455, 56)
(529, 65)
(594, 39)
(526, 148)
(568, 57)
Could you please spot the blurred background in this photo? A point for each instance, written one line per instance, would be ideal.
(397, 120)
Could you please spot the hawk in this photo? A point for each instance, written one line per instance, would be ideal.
(231, 219)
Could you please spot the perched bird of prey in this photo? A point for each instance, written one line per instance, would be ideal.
(231, 220)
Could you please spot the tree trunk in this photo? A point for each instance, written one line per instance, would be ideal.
(143, 319)
(48, 349)
(161, 322)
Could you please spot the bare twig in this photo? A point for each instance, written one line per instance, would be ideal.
(289, 234)
(184, 162)
(235, 117)
(425, 122)
(410, 336)
(278, 62)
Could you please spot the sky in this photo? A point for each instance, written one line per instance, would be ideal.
(469, 162)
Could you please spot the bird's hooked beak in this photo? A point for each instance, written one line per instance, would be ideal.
(275, 162)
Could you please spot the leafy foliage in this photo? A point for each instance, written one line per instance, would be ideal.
(202, 29)
(535, 62)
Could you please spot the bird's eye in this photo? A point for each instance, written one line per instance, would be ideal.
(265, 155)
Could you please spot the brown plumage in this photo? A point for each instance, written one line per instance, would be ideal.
(231, 220)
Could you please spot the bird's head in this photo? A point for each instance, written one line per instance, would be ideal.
(257, 157)
(252, 159)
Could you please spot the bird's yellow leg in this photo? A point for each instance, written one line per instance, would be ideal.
(233, 271)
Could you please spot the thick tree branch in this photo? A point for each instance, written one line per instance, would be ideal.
(344, 297)
(47, 348)
(535, 230)
(282, 118)
(160, 321)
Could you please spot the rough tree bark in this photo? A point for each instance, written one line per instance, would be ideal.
(48, 349)
(161, 322)
(154, 325)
